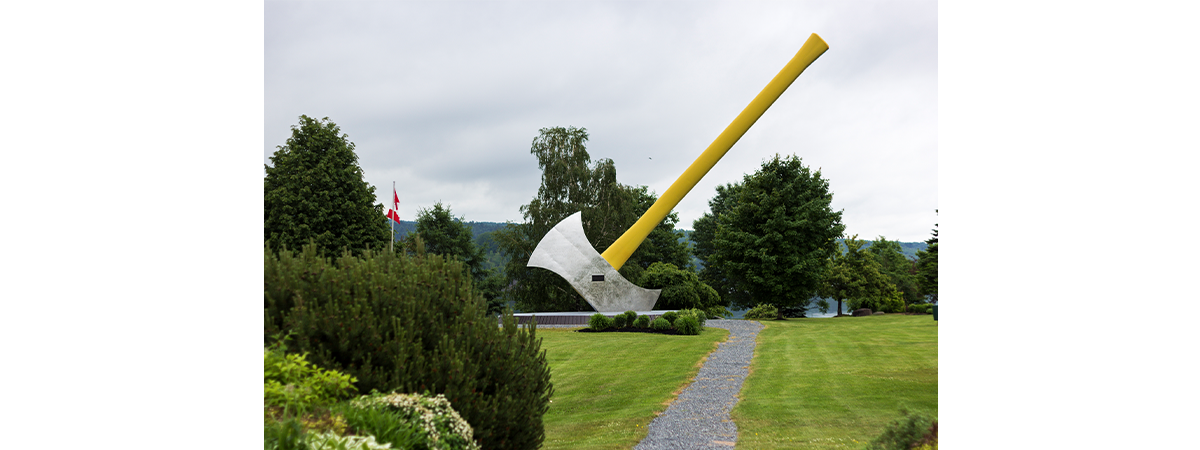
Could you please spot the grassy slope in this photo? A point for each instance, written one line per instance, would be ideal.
(609, 386)
(835, 383)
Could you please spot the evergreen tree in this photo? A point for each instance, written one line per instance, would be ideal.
(927, 269)
(314, 190)
(443, 234)
(705, 231)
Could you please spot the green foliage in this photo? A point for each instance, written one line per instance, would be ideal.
(664, 244)
(386, 425)
(410, 324)
(443, 234)
(630, 317)
(893, 303)
(291, 382)
(697, 314)
(439, 424)
(572, 183)
(620, 321)
(717, 312)
(763, 311)
(314, 190)
(920, 308)
(670, 317)
(285, 435)
(774, 243)
(447, 235)
(855, 277)
(642, 322)
(704, 238)
(334, 441)
(660, 324)
(927, 270)
(899, 270)
(600, 322)
(911, 430)
(681, 289)
(687, 324)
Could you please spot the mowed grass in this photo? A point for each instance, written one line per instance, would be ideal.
(836, 383)
(609, 386)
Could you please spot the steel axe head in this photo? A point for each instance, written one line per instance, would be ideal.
(566, 251)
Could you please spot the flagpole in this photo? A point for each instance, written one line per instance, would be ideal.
(393, 221)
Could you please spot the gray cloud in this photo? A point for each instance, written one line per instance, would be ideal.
(444, 98)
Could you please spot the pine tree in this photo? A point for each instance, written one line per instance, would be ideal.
(314, 190)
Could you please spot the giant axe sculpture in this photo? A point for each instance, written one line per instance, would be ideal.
(566, 251)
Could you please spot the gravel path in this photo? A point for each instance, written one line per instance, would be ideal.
(699, 418)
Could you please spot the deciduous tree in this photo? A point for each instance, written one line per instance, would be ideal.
(571, 183)
(855, 277)
(900, 271)
(775, 242)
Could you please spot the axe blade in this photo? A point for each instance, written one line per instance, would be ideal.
(566, 251)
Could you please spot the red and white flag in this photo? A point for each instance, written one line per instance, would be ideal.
(395, 199)
(392, 215)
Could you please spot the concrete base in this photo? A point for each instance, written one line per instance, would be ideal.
(575, 318)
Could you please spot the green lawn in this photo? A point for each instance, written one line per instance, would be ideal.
(609, 386)
(836, 383)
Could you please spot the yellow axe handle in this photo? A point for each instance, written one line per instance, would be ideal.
(624, 246)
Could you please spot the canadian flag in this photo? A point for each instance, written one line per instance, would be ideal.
(395, 205)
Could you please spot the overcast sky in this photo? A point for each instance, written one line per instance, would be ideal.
(445, 98)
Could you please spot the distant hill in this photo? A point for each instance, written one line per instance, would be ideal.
(482, 239)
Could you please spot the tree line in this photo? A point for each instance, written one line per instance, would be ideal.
(770, 238)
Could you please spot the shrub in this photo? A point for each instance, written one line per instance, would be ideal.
(660, 324)
(670, 317)
(600, 322)
(893, 303)
(688, 325)
(334, 441)
(642, 322)
(388, 426)
(440, 425)
(291, 382)
(681, 288)
(920, 308)
(630, 317)
(697, 314)
(412, 324)
(619, 321)
(284, 435)
(911, 430)
(762, 311)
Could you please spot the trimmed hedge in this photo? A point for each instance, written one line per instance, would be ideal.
(660, 324)
(642, 322)
(601, 322)
(403, 323)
